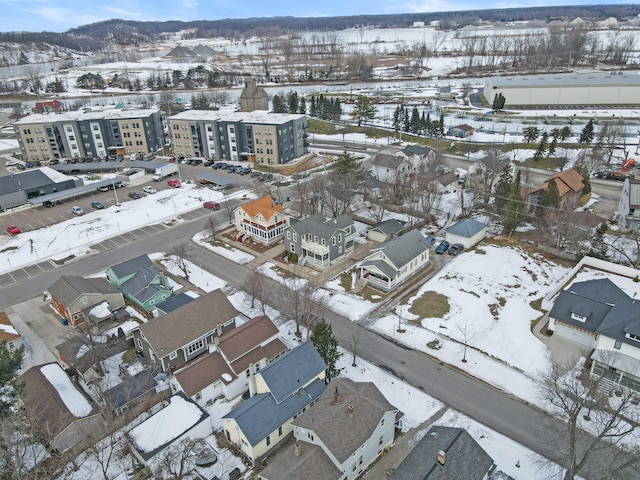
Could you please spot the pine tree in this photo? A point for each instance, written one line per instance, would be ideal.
(326, 343)
(397, 118)
(549, 198)
(599, 248)
(441, 125)
(503, 189)
(292, 102)
(498, 102)
(302, 106)
(583, 169)
(586, 136)
(278, 104)
(514, 209)
(542, 147)
(363, 110)
(415, 121)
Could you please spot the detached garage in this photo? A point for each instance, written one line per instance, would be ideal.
(466, 232)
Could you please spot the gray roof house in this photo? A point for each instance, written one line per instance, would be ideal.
(72, 297)
(386, 230)
(172, 340)
(280, 392)
(131, 390)
(602, 318)
(419, 156)
(395, 261)
(390, 168)
(140, 282)
(320, 242)
(347, 429)
(445, 453)
(467, 232)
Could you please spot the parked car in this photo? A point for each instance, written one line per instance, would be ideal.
(217, 166)
(455, 249)
(47, 204)
(134, 195)
(103, 188)
(442, 248)
(196, 162)
(20, 166)
(149, 189)
(231, 169)
(245, 171)
(208, 163)
(255, 174)
(173, 183)
(12, 229)
(235, 474)
(55, 161)
(97, 205)
(211, 205)
(265, 176)
(77, 210)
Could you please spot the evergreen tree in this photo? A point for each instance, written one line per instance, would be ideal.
(302, 106)
(441, 126)
(326, 343)
(423, 123)
(583, 169)
(549, 198)
(498, 102)
(278, 104)
(530, 134)
(10, 360)
(336, 109)
(542, 147)
(313, 111)
(292, 102)
(415, 121)
(397, 118)
(504, 189)
(599, 247)
(586, 135)
(514, 208)
(363, 110)
(405, 120)
(347, 164)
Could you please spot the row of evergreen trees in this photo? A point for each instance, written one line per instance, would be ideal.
(417, 124)
(324, 108)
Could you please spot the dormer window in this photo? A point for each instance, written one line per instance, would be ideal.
(631, 336)
(578, 317)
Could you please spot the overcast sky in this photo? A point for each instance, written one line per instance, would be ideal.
(61, 15)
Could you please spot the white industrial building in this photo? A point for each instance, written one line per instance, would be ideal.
(565, 89)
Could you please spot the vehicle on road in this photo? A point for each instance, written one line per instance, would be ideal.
(12, 229)
(149, 189)
(164, 171)
(76, 210)
(218, 165)
(455, 249)
(265, 176)
(97, 205)
(48, 204)
(442, 248)
(134, 195)
(211, 205)
(173, 183)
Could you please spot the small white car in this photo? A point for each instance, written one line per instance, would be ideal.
(77, 210)
(149, 189)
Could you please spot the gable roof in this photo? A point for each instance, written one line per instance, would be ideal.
(446, 179)
(130, 389)
(174, 302)
(464, 457)
(68, 288)
(341, 433)
(201, 373)
(265, 206)
(321, 226)
(386, 160)
(567, 181)
(292, 370)
(179, 328)
(389, 226)
(8, 332)
(466, 228)
(401, 250)
(419, 150)
(464, 127)
(132, 265)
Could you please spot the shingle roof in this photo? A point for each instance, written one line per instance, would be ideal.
(292, 370)
(311, 463)
(246, 337)
(447, 179)
(265, 206)
(417, 150)
(343, 434)
(7, 330)
(388, 161)
(466, 228)
(567, 181)
(403, 249)
(203, 372)
(132, 265)
(176, 329)
(130, 389)
(174, 302)
(68, 288)
(389, 226)
(464, 458)
(321, 226)
(261, 414)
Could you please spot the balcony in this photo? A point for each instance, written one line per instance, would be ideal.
(315, 248)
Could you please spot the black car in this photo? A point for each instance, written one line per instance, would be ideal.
(442, 248)
(48, 204)
(55, 161)
(134, 195)
(208, 163)
(196, 162)
(455, 249)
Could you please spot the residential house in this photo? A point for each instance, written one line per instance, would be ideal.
(261, 220)
(131, 391)
(172, 303)
(391, 168)
(418, 156)
(348, 428)
(170, 341)
(320, 242)
(461, 131)
(226, 369)
(84, 355)
(570, 186)
(386, 230)
(395, 261)
(280, 392)
(445, 453)
(140, 282)
(603, 319)
(61, 412)
(73, 297)
(486, 171)
(181, 419)
(9, 336)
(446, 183)
(629, 203)
(467, 232)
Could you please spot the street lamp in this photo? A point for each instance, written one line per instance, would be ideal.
(115, 193)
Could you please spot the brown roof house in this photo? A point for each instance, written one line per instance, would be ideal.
(569, 183)
(461, 131)
(84, 355)
(170, 341)
(349, 427)
(73, 298)
(233, 358)
(61, 411)
(261, 220)
(9, 334)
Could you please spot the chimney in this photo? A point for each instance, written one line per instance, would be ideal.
(350, 411)
(219, 329)
(252, 379)
(296, 449)
(442, 457)
(336, 397)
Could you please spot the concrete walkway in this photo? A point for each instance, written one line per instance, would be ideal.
(561, 350)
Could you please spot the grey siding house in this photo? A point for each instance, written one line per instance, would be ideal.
(320, 242)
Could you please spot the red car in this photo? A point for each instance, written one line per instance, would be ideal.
(211, 205)
(12, 229)
(173, 183)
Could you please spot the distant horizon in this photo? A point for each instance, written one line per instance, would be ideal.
(63, 15)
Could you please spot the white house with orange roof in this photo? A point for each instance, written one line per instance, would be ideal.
(8, 333)
(261, 220)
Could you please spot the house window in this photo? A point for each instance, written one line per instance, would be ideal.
(340, 249)
(198, 396)
(288, 235)
(618, 345)
(280, 431)
(360, 460)
(268, 440)
(324, 242)
(139, 344)
(339, 238)
(173, 355)
(633, 337)
(194, 347)
(310, 436)
(333, 240)
(578, 317)
(380, 440)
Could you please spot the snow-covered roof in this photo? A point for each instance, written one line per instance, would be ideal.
(75, 402)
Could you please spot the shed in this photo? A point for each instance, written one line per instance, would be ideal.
(467, 232)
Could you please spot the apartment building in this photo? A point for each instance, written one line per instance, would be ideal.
(260, 136)
(85, 133)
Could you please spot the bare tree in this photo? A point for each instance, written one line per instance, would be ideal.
(468, 332)
(353, 344)
(180, 255)
(256, 286)
(212, 226)
(576, 396)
